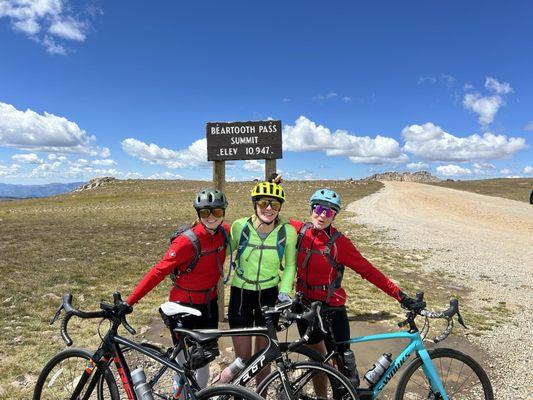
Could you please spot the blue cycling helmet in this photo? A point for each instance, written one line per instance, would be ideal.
(327, 198)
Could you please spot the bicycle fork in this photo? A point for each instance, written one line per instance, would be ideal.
(431, 374)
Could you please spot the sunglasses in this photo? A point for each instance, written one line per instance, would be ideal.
(263, 204)
(206, 212)
(319, 209)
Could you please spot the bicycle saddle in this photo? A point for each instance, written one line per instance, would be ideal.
(170, 308)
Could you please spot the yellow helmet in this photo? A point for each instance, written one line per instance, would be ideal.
(268, 189)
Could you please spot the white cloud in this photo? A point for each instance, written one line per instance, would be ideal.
(105, 152)
(498, 87)
(452, 170)
(165, 175)
(448, 79)
(107, 162)
(347, 99)
(52, 156)
(430, 142)
(432, 79)
(133, 175)
(28, 158)
(28, 130)
(529, 126)
(69, 29)
(56, 17)
(506, 171)
(417, 166)
(254, 165)
(528, 170)
(427, 79)
(468, 86)
(485, 107)
(9, 170)
(195, 155)
(305, 135)
(484, 165)
(285, 100)
(52, 47)
(327, 96)
(82, 161)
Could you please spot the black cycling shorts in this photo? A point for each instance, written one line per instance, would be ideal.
(245, 311)
(339, 324)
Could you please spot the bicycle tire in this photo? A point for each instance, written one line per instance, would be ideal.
(309, 353)
(443, 368)
(300, 376)
(227, 392)
(60, 383)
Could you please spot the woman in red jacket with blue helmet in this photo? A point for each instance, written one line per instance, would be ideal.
(195, 271)
(322, 255)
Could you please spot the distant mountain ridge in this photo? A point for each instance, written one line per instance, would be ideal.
(28, 191)
(420, 176)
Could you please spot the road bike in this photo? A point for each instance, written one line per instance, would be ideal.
(290, 380)
(81, 374)
(438, 373)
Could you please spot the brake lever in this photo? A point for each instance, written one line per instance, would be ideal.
(460, 320)
(128, 326)
(58, 313)
(320, 321)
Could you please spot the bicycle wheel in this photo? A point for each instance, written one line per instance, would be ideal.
(462, 377)
(301, 353)
(227, 392)
(61, 375)
(308, 380)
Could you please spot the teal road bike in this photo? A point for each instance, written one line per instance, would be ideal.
(432, 374)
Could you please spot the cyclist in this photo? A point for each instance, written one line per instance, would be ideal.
(322, 254)
(194, 260)
(262, 241)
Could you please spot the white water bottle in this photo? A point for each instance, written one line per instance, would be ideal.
(141, 387)
(229, 372)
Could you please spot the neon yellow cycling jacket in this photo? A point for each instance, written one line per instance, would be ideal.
(259, 265)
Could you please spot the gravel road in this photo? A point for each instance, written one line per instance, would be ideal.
(488, 243)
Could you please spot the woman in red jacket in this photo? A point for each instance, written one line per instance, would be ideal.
(194, 259)
(323, 254)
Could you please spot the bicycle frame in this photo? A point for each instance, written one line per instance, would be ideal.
(110, 350)
(416, 345)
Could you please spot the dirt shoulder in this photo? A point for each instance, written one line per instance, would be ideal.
(482, 242)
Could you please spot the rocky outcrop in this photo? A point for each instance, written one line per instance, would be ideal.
(420, 176)
(94, 183)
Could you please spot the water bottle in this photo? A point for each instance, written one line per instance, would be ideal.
(177, 386)
(378, 369)
(141, 387)
(229, 372)
(351, 367)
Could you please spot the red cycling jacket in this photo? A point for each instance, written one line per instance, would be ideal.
(199, 285)
(320, 272)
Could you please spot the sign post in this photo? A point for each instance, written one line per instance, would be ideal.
(252, 140)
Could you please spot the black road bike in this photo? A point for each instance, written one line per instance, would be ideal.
(290, 380)
(80, 374)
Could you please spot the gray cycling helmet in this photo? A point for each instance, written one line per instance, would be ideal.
(210, 198)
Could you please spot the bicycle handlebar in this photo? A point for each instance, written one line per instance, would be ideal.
(447, 314)
(310, 316)
(114, 312)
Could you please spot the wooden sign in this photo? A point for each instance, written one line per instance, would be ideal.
(251, 140)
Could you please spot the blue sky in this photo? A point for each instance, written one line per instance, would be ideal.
(126, 88)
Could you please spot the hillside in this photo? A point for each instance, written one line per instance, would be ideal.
(28, 191)
(420, 176)
(518, 189)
